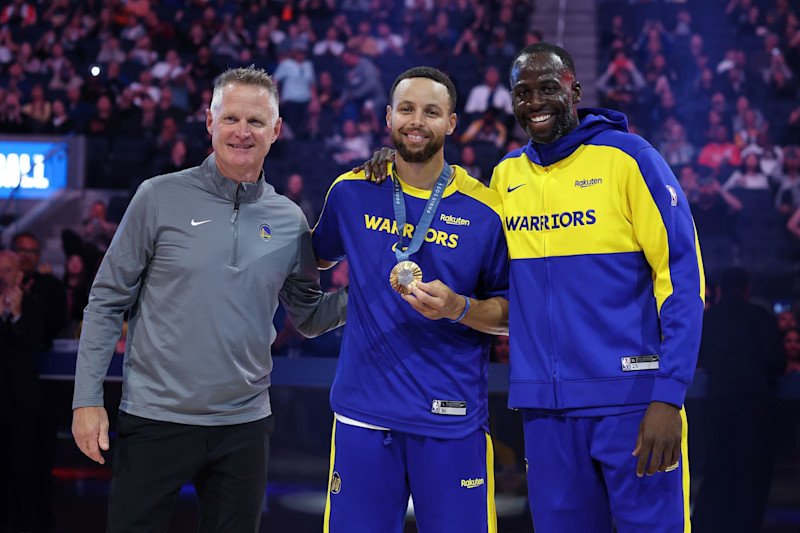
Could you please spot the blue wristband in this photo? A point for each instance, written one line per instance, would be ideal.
(463, 313)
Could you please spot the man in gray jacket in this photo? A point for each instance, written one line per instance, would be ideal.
(199, 261)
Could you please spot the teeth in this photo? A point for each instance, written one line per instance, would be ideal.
(541, 118)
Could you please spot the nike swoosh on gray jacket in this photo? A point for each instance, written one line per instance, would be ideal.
(201, 298)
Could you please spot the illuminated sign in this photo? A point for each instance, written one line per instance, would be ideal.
(33, 169)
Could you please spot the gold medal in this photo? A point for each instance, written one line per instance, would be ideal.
(404, 276)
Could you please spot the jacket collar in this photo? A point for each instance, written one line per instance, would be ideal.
(218, 185)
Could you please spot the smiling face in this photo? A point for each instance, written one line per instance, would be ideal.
(544, 93)
(419, 118)
(243, 126)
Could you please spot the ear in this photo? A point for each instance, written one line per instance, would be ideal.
(389, 116)
(451, 126)
(209, 122)
(276, 130)
(576, 92)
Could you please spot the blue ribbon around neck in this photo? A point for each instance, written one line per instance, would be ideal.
(427, 215)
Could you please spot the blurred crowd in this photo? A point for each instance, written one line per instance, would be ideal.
(721, 104)
(135, 77)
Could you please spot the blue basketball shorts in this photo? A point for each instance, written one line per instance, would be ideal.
(373, 472)
(582, 477)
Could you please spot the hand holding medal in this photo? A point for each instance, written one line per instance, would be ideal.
(406, 274)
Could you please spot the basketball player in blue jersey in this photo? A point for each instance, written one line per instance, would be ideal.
(605, 310)
(428, 287)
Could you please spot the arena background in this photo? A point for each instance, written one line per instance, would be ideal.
(107, 93)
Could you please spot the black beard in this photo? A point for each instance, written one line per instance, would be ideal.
(416, 156)
(565, 123)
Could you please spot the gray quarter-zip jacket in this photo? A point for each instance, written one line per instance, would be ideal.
(200, 261)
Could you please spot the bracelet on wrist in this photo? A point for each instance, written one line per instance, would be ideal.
(464, 312)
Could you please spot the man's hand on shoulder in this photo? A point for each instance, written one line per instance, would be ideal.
(377, 168)
(659, 439)
(90, 430)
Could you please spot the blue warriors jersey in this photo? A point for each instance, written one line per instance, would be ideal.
(396, 366)
(607, 283)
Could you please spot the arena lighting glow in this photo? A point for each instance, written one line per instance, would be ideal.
(33, 170)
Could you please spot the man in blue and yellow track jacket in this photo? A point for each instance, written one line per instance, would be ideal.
(606, 302)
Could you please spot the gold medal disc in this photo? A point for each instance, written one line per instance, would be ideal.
(404, 276)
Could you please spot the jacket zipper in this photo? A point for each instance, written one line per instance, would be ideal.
(235, 222)
(548, 283)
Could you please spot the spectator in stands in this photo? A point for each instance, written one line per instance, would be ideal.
(675, 148)
(362, 84)
(620, 85)
(53, 52)
(142, 53)
(714, 208)
(15, 79)
(145, 87)
(295, 192)
(786, 321)
(60, 122)
(389, 43)
(179, 158)
(159, 31)
(74, 33)
(79, 110)
(771, 156)
(105, 27)
(170, 68)
(490, 93)
(21, 332)
(41, 285)
(225, 41)
(791, 130)
(720, 151)
(351, 147)
(66, 78)
(748, 177)
(242, 33)
(330, 45)
(742, 356)
(486, 129)
(18, 14)
(470, 164)
(133, 30)
(31, 64)
(363, 43)
(468, 44)
(91, 238)
(203, 69)
(167, 108)
(324, 109)
(787, 199)
(780, 80)
(297, 83)
(104, 121)
(791, 346)
(500, 50)
(38, 110)
(12, 119)
(77, 281)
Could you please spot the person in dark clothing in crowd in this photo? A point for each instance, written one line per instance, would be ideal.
(42, 286)
(21, 329)
(742, 356)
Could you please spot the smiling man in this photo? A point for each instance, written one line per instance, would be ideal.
(605, 309)
(199, 261)
(410, 392)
